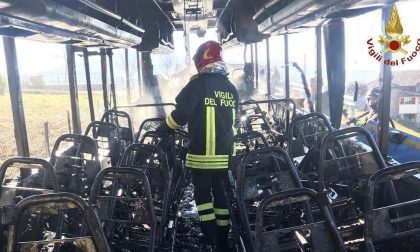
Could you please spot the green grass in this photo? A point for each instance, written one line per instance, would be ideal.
(38, 109)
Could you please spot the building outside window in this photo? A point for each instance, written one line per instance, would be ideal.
(408, 100)
(410, 117)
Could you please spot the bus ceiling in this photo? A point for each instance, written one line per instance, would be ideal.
(147, 25)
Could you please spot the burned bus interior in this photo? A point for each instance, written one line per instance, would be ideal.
(304, 174)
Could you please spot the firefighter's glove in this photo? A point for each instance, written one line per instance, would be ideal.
(164, 128)
(353, 120)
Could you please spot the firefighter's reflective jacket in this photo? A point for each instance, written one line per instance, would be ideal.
(208, 103)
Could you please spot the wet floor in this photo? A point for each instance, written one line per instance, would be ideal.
(189, 237)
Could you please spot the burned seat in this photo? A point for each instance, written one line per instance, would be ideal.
(344, 159)
(108, 140)
(282, 223)
(253, 118)
(56, 236)
(123, 201)
(283, 112)
(345, 165)
(304, 135)
(250, 112)
(123, 121)
(76, 163)
(304, 132)
(13, 188)
(250, 107)
(391, 226)
(261, 173)
(175, 146)
(273, 122)
(249, 141)
(149, 124)
(244, 143)
(153, 162)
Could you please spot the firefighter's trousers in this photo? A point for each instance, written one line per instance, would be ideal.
(212, 204)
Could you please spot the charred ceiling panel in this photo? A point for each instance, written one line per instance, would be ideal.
(236, 24)
(225, 25)
(48, 20)
(246, 27)
(146, 25)
(150, 15)
(105, 23)
(245, 20)
(15, 27)
(194, 15)
(280, 16)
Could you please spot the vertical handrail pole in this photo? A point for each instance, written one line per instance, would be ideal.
(256, 66)
(139, 74)
(111, 73)
(46, 137)
(104, 79)
(127, 76)
(286, 66)
(267, 44)
(253, 65)
(89, 84)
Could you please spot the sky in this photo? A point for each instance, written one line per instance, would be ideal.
(36, 57)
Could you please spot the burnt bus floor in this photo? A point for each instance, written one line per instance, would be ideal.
(189, 237)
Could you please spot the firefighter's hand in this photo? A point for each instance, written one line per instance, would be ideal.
(353, 120)
(164, 128)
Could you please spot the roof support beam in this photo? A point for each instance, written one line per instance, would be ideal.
(286, 66)
(318, 96)
(334, 36)
(385, 101)
(74, 97)
(15, 91)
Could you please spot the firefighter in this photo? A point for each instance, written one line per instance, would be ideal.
(208, 103)
(372, 100)
(373, 97)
